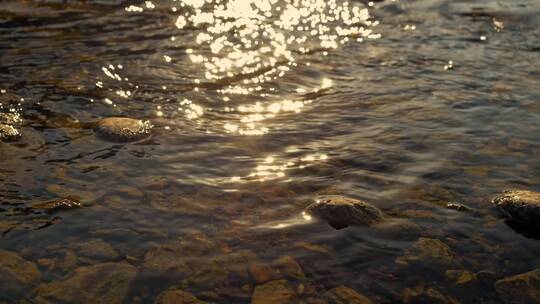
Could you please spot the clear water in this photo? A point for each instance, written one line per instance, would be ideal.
(409, 105)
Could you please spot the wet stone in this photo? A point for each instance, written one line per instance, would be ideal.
(101, 283)
(520, 205)
(341, 212)
(345, 295)
(8, 133)
(98, 250)
(57, 205)
(290, 268)
(457, 207)
(427, 295)
(262, 273)
(427, 252)
(9, 118)
(177, 296)
(273, 292)
(521, 288)
(460, 277)
(16, 272)
(123, 129)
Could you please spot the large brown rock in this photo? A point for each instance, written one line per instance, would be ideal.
(520, 205)
(341, 212)
(101, 283)
(520, 289)
(123, 129)
(16, 272)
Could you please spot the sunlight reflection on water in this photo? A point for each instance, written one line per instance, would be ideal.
(245, 45)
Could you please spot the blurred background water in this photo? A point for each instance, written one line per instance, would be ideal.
(258, 107)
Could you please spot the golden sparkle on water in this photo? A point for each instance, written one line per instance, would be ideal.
(243, 44)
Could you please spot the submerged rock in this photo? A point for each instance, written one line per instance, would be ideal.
(520, 205)
(290, 268)
(177, 296)
(273, 292)
(123, 129)
(460, 277)
(58, 205)
(341, 212)
(16, 272)
(427, 252)
(8, 132)
(521, 288)
(345, 295)
(427, 295)
(101, 283)
(98, 250)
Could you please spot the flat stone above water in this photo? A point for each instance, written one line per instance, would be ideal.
(341, 212)
(520, 205)
(123, 129)
(58, 205)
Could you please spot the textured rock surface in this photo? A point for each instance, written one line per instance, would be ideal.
(16, 272)
(426, 252)
(341, 212)
(273, 292)
(8, 132)
(520, 205)
(101, 283)
(521, 288)
(58, 205)
(176, 296)
(345, 295)
(99, 250)
(123, 129)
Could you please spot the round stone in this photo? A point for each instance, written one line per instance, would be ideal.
(123, 129)
(341, 212)
(520, 205)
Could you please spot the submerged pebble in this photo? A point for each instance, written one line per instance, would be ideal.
(341, 212)
(123, 129)
(520, 205)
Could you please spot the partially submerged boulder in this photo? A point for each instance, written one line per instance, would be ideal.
(341, 212)
(520, 288)
(57, 205)
(520, 205)
(123, 129)
(8, 133)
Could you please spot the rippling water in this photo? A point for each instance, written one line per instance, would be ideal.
(260, 106)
